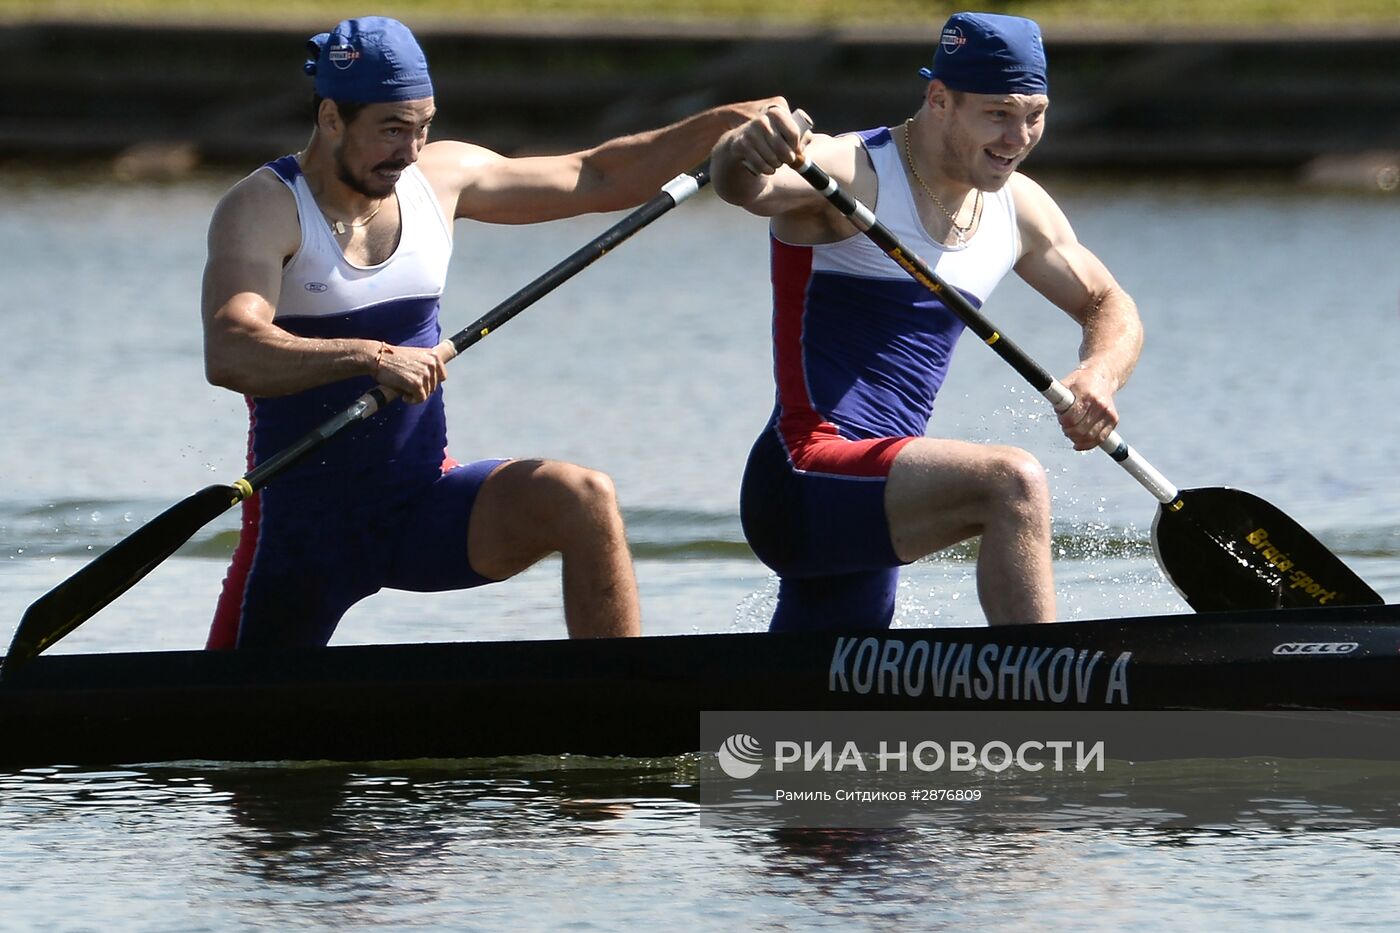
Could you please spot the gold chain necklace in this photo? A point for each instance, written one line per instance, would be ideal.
(959, 231)
(340, 226)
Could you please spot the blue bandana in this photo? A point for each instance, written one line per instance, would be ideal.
(370, 60)
(987, 53)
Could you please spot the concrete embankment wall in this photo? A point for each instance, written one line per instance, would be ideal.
(223, 94)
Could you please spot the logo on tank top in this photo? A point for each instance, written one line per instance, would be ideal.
(316, 286)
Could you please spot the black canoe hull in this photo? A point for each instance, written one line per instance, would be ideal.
(643, 697)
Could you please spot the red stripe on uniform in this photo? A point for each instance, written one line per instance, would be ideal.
(813, 444)
(228, 614)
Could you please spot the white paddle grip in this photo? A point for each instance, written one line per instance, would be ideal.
(1059, 396)
(1138, 468)
(681, 187)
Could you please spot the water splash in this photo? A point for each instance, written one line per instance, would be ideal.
(755, 611)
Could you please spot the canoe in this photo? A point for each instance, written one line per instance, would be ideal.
(643, 697)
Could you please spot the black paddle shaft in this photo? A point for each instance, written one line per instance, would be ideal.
(116, 570)
(1221, 548)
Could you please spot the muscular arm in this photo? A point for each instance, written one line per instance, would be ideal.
(483, 185)
(751, 169)
(1062, 269)
(253, 230)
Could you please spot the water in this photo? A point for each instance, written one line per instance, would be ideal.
(1272, 316)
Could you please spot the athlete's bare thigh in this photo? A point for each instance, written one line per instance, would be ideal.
(942, 491)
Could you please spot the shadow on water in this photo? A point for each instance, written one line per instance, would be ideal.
(452, 843)
(318, 825)
(333, 824)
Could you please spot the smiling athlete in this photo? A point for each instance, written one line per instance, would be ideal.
(324, 276)
(842, 486)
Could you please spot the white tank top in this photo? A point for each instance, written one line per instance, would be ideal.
(975, 267)
(319, 280)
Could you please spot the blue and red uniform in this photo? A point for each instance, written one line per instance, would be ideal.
(380, 504)
(859, 352)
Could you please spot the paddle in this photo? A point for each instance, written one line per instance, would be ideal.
(1221, 548)
(117, 569)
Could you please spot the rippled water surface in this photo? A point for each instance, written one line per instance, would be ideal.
(1273, 320)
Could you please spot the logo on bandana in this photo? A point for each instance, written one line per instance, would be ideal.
(953, 39)
(343, 56)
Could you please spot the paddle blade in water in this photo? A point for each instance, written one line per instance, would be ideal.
(1227, 549)
(116, 570)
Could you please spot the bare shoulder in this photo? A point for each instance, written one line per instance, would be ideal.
(253, 232)
(259, 209)
(1028, 194)
(259, 190)
(460, 174)
(1039, 218)
(450, 165)
(800, 214)
(842, 157)
(844, 152)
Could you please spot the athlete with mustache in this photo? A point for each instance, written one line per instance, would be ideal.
(324, 276)
(843, 487)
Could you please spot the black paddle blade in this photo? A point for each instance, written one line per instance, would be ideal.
(1227, 549)
(112, 573)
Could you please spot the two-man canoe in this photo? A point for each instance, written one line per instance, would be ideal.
(644, 696)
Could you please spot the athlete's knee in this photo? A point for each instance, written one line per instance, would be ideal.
(577, 499)
(1020, 479)
(595, 490)
(588, 490)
